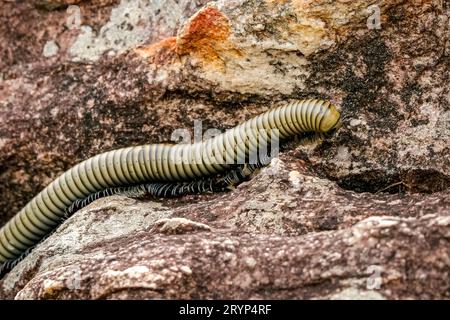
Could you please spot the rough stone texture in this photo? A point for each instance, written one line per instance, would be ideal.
(362, 215)
(116, 248)
(84, 30)
(55, 113)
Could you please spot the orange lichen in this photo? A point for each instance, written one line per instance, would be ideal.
(161, 52)
(205, 36)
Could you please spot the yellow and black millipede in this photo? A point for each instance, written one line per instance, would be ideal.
(163, 170)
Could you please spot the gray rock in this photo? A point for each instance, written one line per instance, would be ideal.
(364, 214)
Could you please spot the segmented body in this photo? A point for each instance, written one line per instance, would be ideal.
(161, 170)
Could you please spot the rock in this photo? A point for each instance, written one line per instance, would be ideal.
(99, 253)
(179, 226)
(50, 109)
(364, 214)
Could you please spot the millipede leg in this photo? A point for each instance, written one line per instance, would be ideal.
(8, 265)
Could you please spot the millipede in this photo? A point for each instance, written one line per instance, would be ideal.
(164, 170)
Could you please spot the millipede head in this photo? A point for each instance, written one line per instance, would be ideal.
(331, 120)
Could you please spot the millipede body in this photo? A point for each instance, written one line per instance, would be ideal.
(163, 169)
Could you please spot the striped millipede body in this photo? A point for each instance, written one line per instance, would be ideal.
(163, 170)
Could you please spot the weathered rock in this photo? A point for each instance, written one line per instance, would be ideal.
(364, 214)
(53, 115)
(275, 232)
(116, 248)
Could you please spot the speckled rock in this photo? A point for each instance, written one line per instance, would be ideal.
(120, 247)
(84, 30)
(365, 214)
(54, 113)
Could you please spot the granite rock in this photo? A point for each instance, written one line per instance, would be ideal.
(364, 214)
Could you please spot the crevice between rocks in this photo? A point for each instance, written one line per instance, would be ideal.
(406, 181)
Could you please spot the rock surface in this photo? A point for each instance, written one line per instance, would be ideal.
(365, 214)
